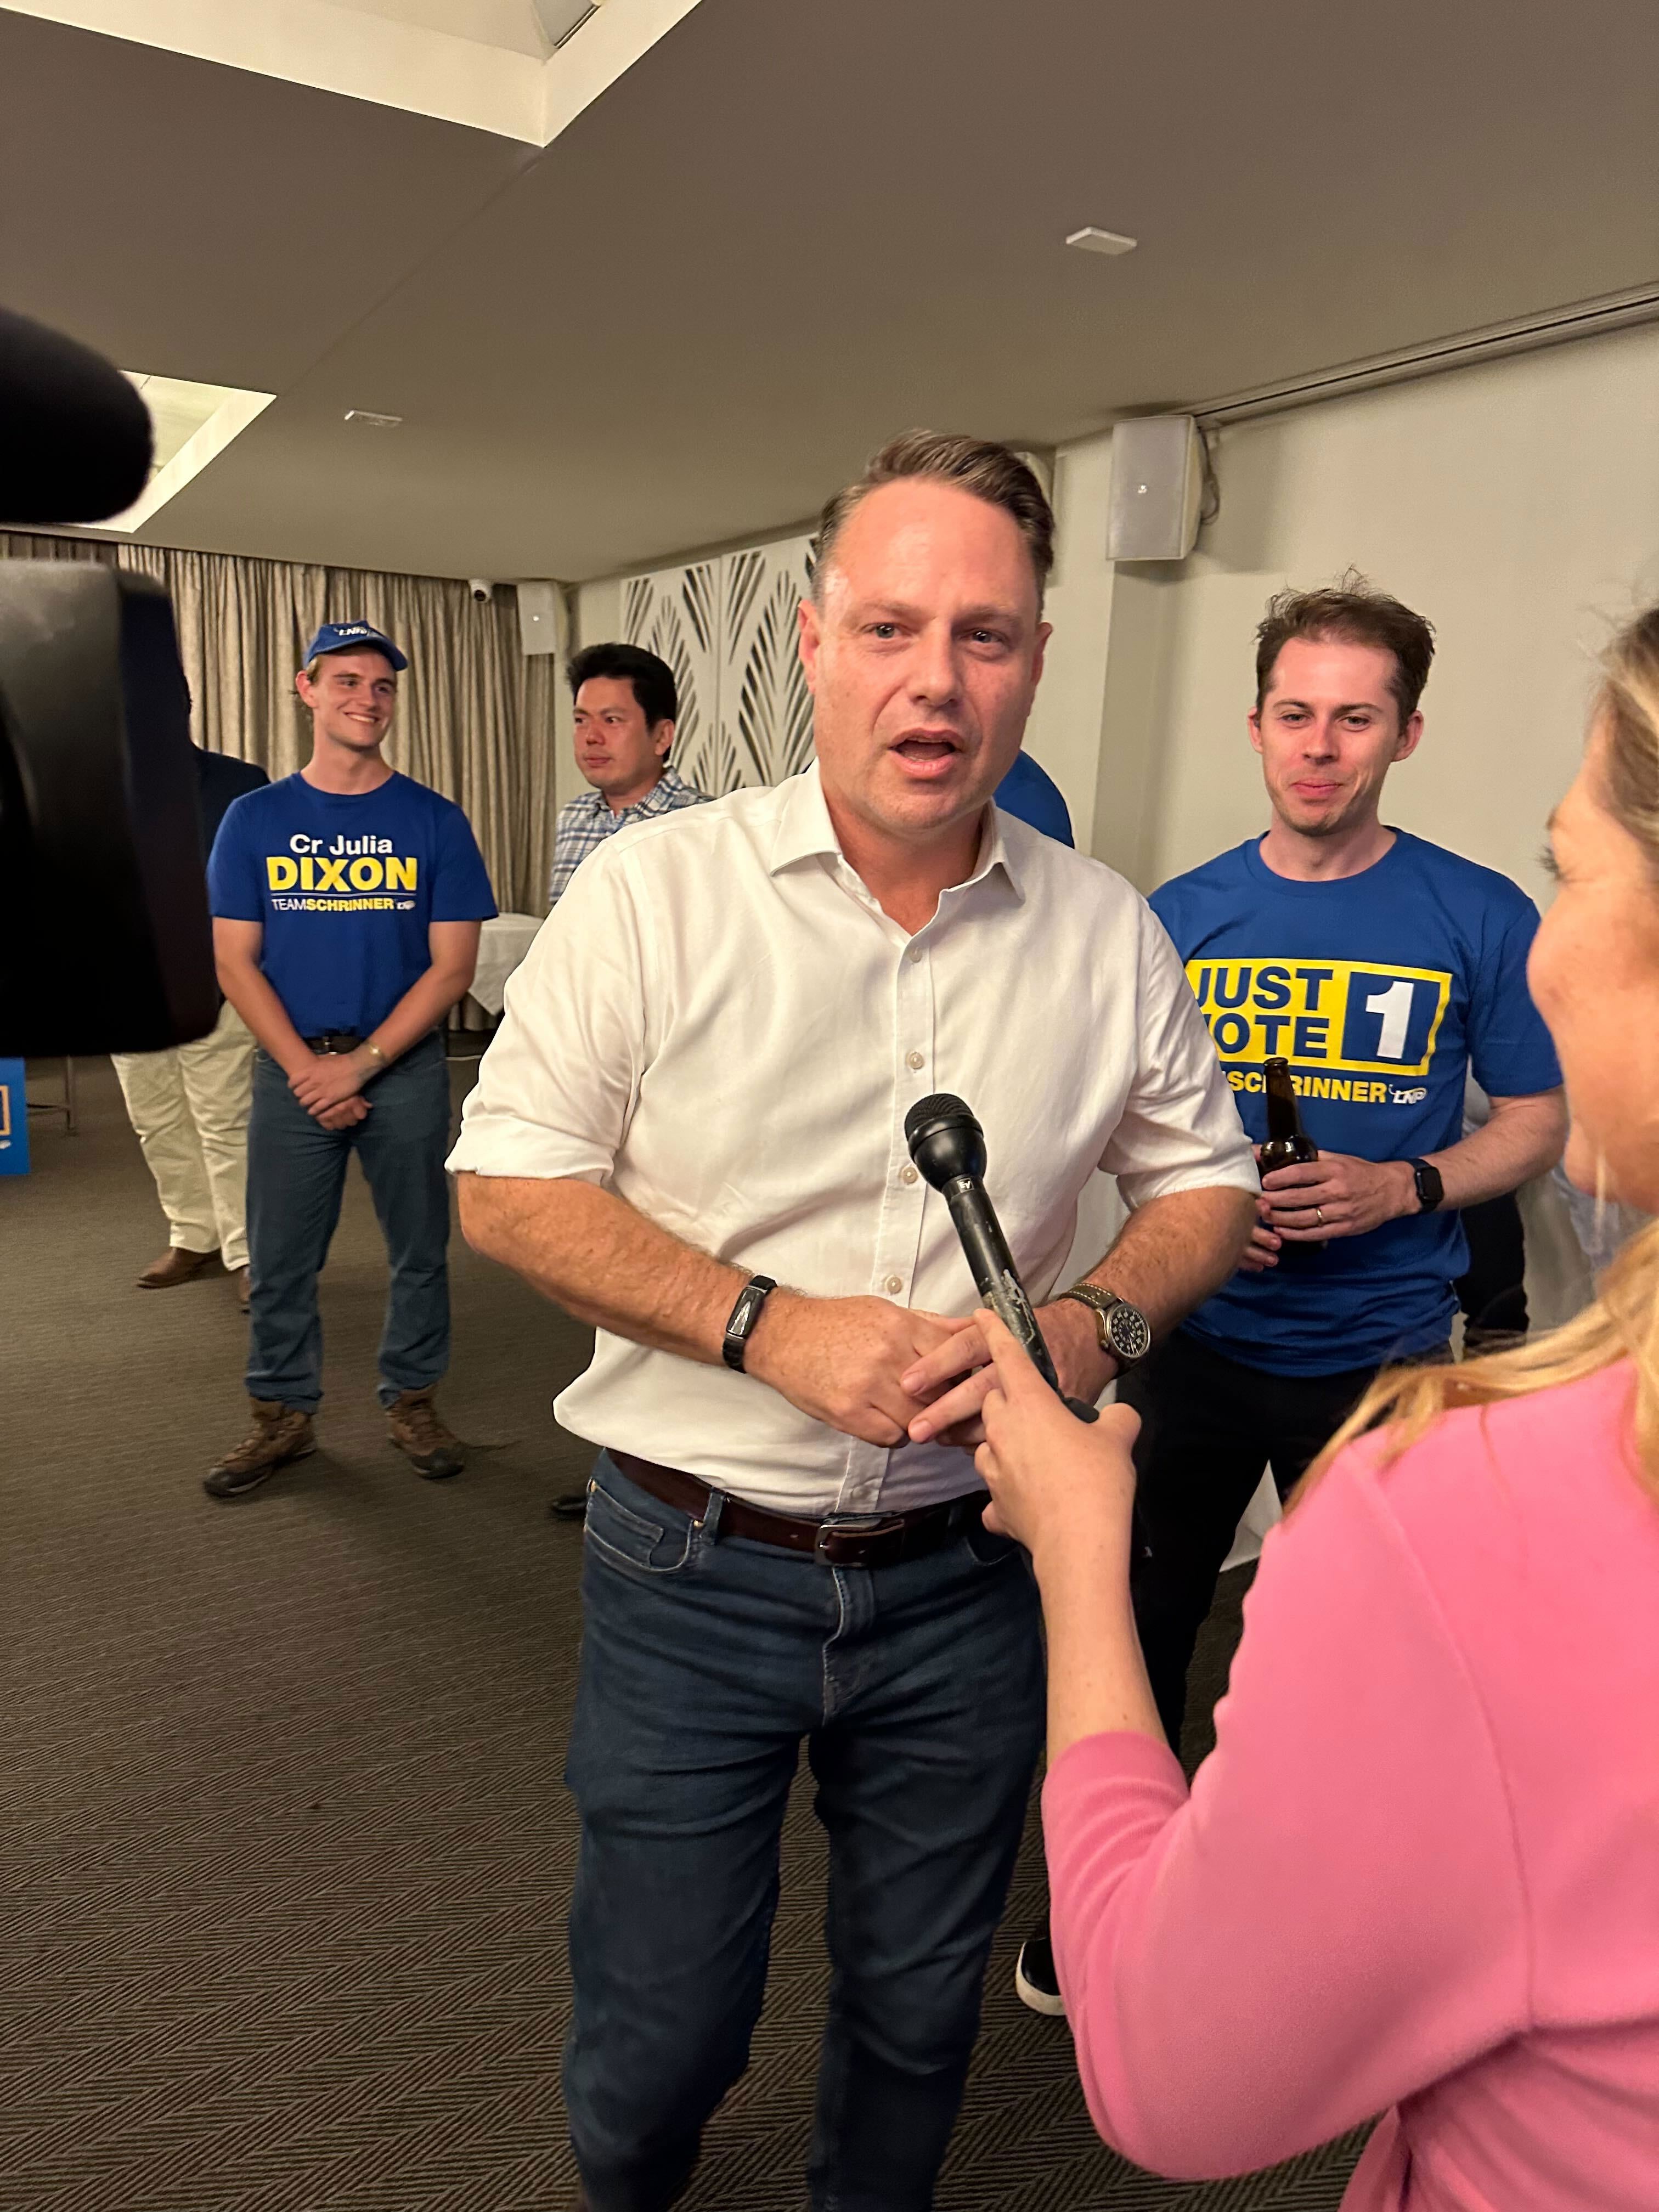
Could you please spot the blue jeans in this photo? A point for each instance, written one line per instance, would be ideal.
(919, 1689)
(296, 1172)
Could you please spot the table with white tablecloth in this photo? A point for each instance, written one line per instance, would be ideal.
(502, 943)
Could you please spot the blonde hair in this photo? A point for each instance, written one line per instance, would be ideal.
(1623, 1323)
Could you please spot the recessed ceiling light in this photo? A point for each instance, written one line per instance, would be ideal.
(373, 422)
(1090, 241)
(562, 19)
(193, 423)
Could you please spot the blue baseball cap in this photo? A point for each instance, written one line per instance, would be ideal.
(341, 637)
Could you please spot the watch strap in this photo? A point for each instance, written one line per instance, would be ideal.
(1103, 1303)
(1431, 1187)
(741, 1325)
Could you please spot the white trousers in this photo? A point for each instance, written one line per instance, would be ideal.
(189, 1107)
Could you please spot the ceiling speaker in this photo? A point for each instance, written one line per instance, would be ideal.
(1158, 487)
(541, 617)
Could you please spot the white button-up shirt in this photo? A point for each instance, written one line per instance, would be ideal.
(719, 1023)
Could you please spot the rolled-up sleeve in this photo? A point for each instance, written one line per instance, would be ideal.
(1180, 1129)
(559, 1082)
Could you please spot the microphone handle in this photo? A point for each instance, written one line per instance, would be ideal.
(997, 1280)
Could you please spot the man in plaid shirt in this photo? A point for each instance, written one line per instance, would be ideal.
(626, 707)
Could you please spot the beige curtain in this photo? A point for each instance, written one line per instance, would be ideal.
(475, 719)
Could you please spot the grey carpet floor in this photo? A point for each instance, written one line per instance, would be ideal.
(287, 1855)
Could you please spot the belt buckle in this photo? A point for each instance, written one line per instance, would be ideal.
(853, 1524)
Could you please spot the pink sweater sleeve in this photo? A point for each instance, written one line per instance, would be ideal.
(1336, 1916)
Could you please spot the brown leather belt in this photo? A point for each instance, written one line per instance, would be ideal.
(849, 1540)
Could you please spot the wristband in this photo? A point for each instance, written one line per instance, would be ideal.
(741, 1326)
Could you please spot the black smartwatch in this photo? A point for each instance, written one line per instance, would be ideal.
(741, 1326)
(1429, 1188)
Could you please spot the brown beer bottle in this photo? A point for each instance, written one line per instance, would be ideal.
(1287, 1146)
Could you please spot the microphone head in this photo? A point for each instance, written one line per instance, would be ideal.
(945, 1141)
(74, 436)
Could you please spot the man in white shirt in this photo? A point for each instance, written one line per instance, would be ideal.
(699, 1086)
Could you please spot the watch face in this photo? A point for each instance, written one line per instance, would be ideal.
(1130, 1331)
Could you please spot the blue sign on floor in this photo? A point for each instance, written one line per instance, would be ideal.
(14, 1119)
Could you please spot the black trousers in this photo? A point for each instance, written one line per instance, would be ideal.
(1207, 1427)
(1494, 1293)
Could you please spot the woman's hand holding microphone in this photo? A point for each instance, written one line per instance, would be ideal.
(1066, 1490)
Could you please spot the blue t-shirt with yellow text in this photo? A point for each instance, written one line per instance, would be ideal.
(1382, 990)
(345, 886)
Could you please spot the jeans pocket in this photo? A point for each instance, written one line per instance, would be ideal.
(988, 1551)
(628, 1539)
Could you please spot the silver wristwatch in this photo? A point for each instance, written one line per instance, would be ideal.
(1122, 1330)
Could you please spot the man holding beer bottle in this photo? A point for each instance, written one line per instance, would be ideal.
(1378, 969)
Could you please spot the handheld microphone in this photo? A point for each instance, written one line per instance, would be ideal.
(948, 1145)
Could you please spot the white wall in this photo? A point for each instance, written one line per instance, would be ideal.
(1064, 732)
(597, 617)
(1515, 505)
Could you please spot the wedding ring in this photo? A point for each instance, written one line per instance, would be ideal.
(1319, 1215)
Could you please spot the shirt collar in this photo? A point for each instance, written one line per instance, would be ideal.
(804, 828)
(805, 831)
(663, 789)
(667, 787)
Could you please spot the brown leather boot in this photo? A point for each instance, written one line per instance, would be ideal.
(176, 1264)
(431, 1449)
(279, 1434)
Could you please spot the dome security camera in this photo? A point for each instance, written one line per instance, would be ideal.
(482, 589)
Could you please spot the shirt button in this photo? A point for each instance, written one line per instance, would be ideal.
(893, 1285)
(913, 954)
(913, 1059)
(907, 1175)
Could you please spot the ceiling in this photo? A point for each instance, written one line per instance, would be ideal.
(178, 410)
(508, 23)
(784, 233)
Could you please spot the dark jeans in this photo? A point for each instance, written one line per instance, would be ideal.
(919, 1689)
(296, 1172)
(1493, 1292)
(1208, 1426)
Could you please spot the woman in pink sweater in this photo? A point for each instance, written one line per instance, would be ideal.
(1419, 1875)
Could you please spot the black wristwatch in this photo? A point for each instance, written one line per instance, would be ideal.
(741, 1326)
(1121, 1330)
(1429, 1188)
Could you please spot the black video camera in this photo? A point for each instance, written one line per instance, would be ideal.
(105, 945)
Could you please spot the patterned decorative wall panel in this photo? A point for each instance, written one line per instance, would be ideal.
(674, 613)
(726, 627)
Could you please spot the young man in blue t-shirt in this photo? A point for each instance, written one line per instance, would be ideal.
(1383, 968)
(347, 901)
